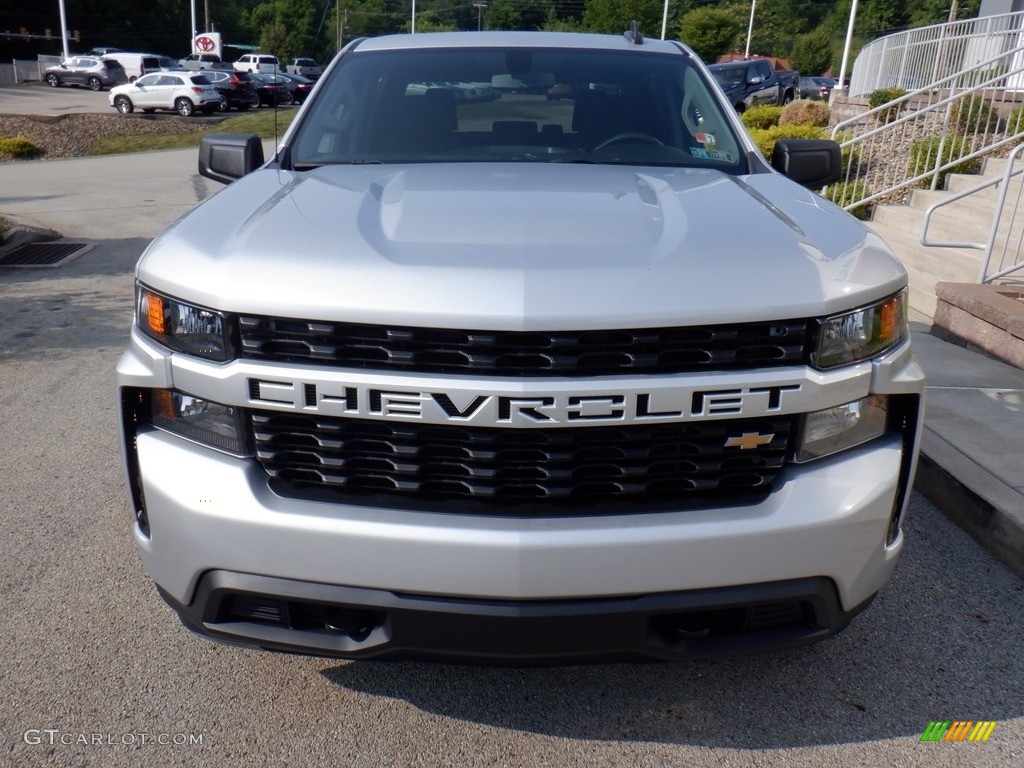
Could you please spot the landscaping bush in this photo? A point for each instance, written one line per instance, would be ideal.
(19, 146)
(1015, 120)
(842, 193)
(882, 96)
(765, 138)
(973, 114)
(762, 116)
(924, 152)
(851, 157)
(805, 112)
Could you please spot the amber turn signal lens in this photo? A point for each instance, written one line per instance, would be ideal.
(155, 313)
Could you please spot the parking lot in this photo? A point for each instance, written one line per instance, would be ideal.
(98, 672)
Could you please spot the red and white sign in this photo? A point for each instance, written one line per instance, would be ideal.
(207, 42)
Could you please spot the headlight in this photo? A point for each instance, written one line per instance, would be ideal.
(203, 421)
(836, 429)
(184, 327)
(861, 334)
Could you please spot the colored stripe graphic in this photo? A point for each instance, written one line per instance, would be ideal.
(958, 730)
(982, 730)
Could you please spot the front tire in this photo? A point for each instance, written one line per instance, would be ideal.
(124, 105)
(52, 80)
(184, 107)
(95, 84)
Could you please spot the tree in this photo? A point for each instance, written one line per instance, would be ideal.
(614, 16)
(710, 32)
(812, 53)
(552, 23)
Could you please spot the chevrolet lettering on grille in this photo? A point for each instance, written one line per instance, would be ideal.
(526, 410)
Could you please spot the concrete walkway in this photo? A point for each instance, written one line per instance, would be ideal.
(972, 464)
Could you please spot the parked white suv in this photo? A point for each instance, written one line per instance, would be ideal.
(183, 92)
(257, 62)
(572, 378)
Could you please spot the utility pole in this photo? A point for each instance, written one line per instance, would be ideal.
(479, 14)
(342, 19)
(952, 11)
(64, 30)
(750, 28)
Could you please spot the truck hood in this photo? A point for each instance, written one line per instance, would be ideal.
(520, 247)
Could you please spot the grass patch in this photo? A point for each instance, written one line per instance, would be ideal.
(261, 123)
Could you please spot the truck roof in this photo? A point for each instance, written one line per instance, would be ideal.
(517, 39)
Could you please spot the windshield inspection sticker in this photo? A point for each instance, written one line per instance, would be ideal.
(707, 139)
(710, 154)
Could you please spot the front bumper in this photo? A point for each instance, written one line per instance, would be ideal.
(327, 620)
(371, 581)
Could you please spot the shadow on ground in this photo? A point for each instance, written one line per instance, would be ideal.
(45, 312)
(871, 682)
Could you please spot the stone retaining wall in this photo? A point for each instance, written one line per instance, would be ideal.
(990, 317)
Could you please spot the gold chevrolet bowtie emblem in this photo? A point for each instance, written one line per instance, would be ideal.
(749, 440)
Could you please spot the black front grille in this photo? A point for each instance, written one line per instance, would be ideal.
(675, 465)
(511, 353)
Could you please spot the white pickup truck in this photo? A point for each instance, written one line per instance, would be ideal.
(203, 61)
(306, 67)
(519, 379)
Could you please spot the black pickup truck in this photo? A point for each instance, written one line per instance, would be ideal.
(754, 81)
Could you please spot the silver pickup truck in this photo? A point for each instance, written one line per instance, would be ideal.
(570, 373)
(306, 67)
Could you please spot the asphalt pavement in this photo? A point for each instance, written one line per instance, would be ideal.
(98, 672)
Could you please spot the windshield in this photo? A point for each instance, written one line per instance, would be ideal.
(730, 76)
(516, 105)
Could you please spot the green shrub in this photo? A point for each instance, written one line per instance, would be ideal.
(973, 114)
(882, 96)
(765, 138)
(805, 112)
(924, 152)
(761, 116)
(842, 193)
(1015, 121)
(19, 146)
(851, 157)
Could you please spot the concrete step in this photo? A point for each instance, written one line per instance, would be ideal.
(949, 225)
(970, 207)
(946, 224)
(996, 166)
(932, 264)
(961, 183)
(927, 266)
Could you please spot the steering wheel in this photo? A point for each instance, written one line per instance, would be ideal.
(644, 138)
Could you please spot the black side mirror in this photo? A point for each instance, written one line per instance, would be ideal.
(814, 163)
(225, 157)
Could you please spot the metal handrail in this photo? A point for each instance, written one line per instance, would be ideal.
(908, 59)
(929, 110)
(989, 245)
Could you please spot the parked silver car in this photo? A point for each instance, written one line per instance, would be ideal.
(94, 72)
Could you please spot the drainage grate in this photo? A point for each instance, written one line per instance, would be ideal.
(41, 254)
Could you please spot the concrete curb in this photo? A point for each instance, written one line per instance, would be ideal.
(972, 498)
(20, 234)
